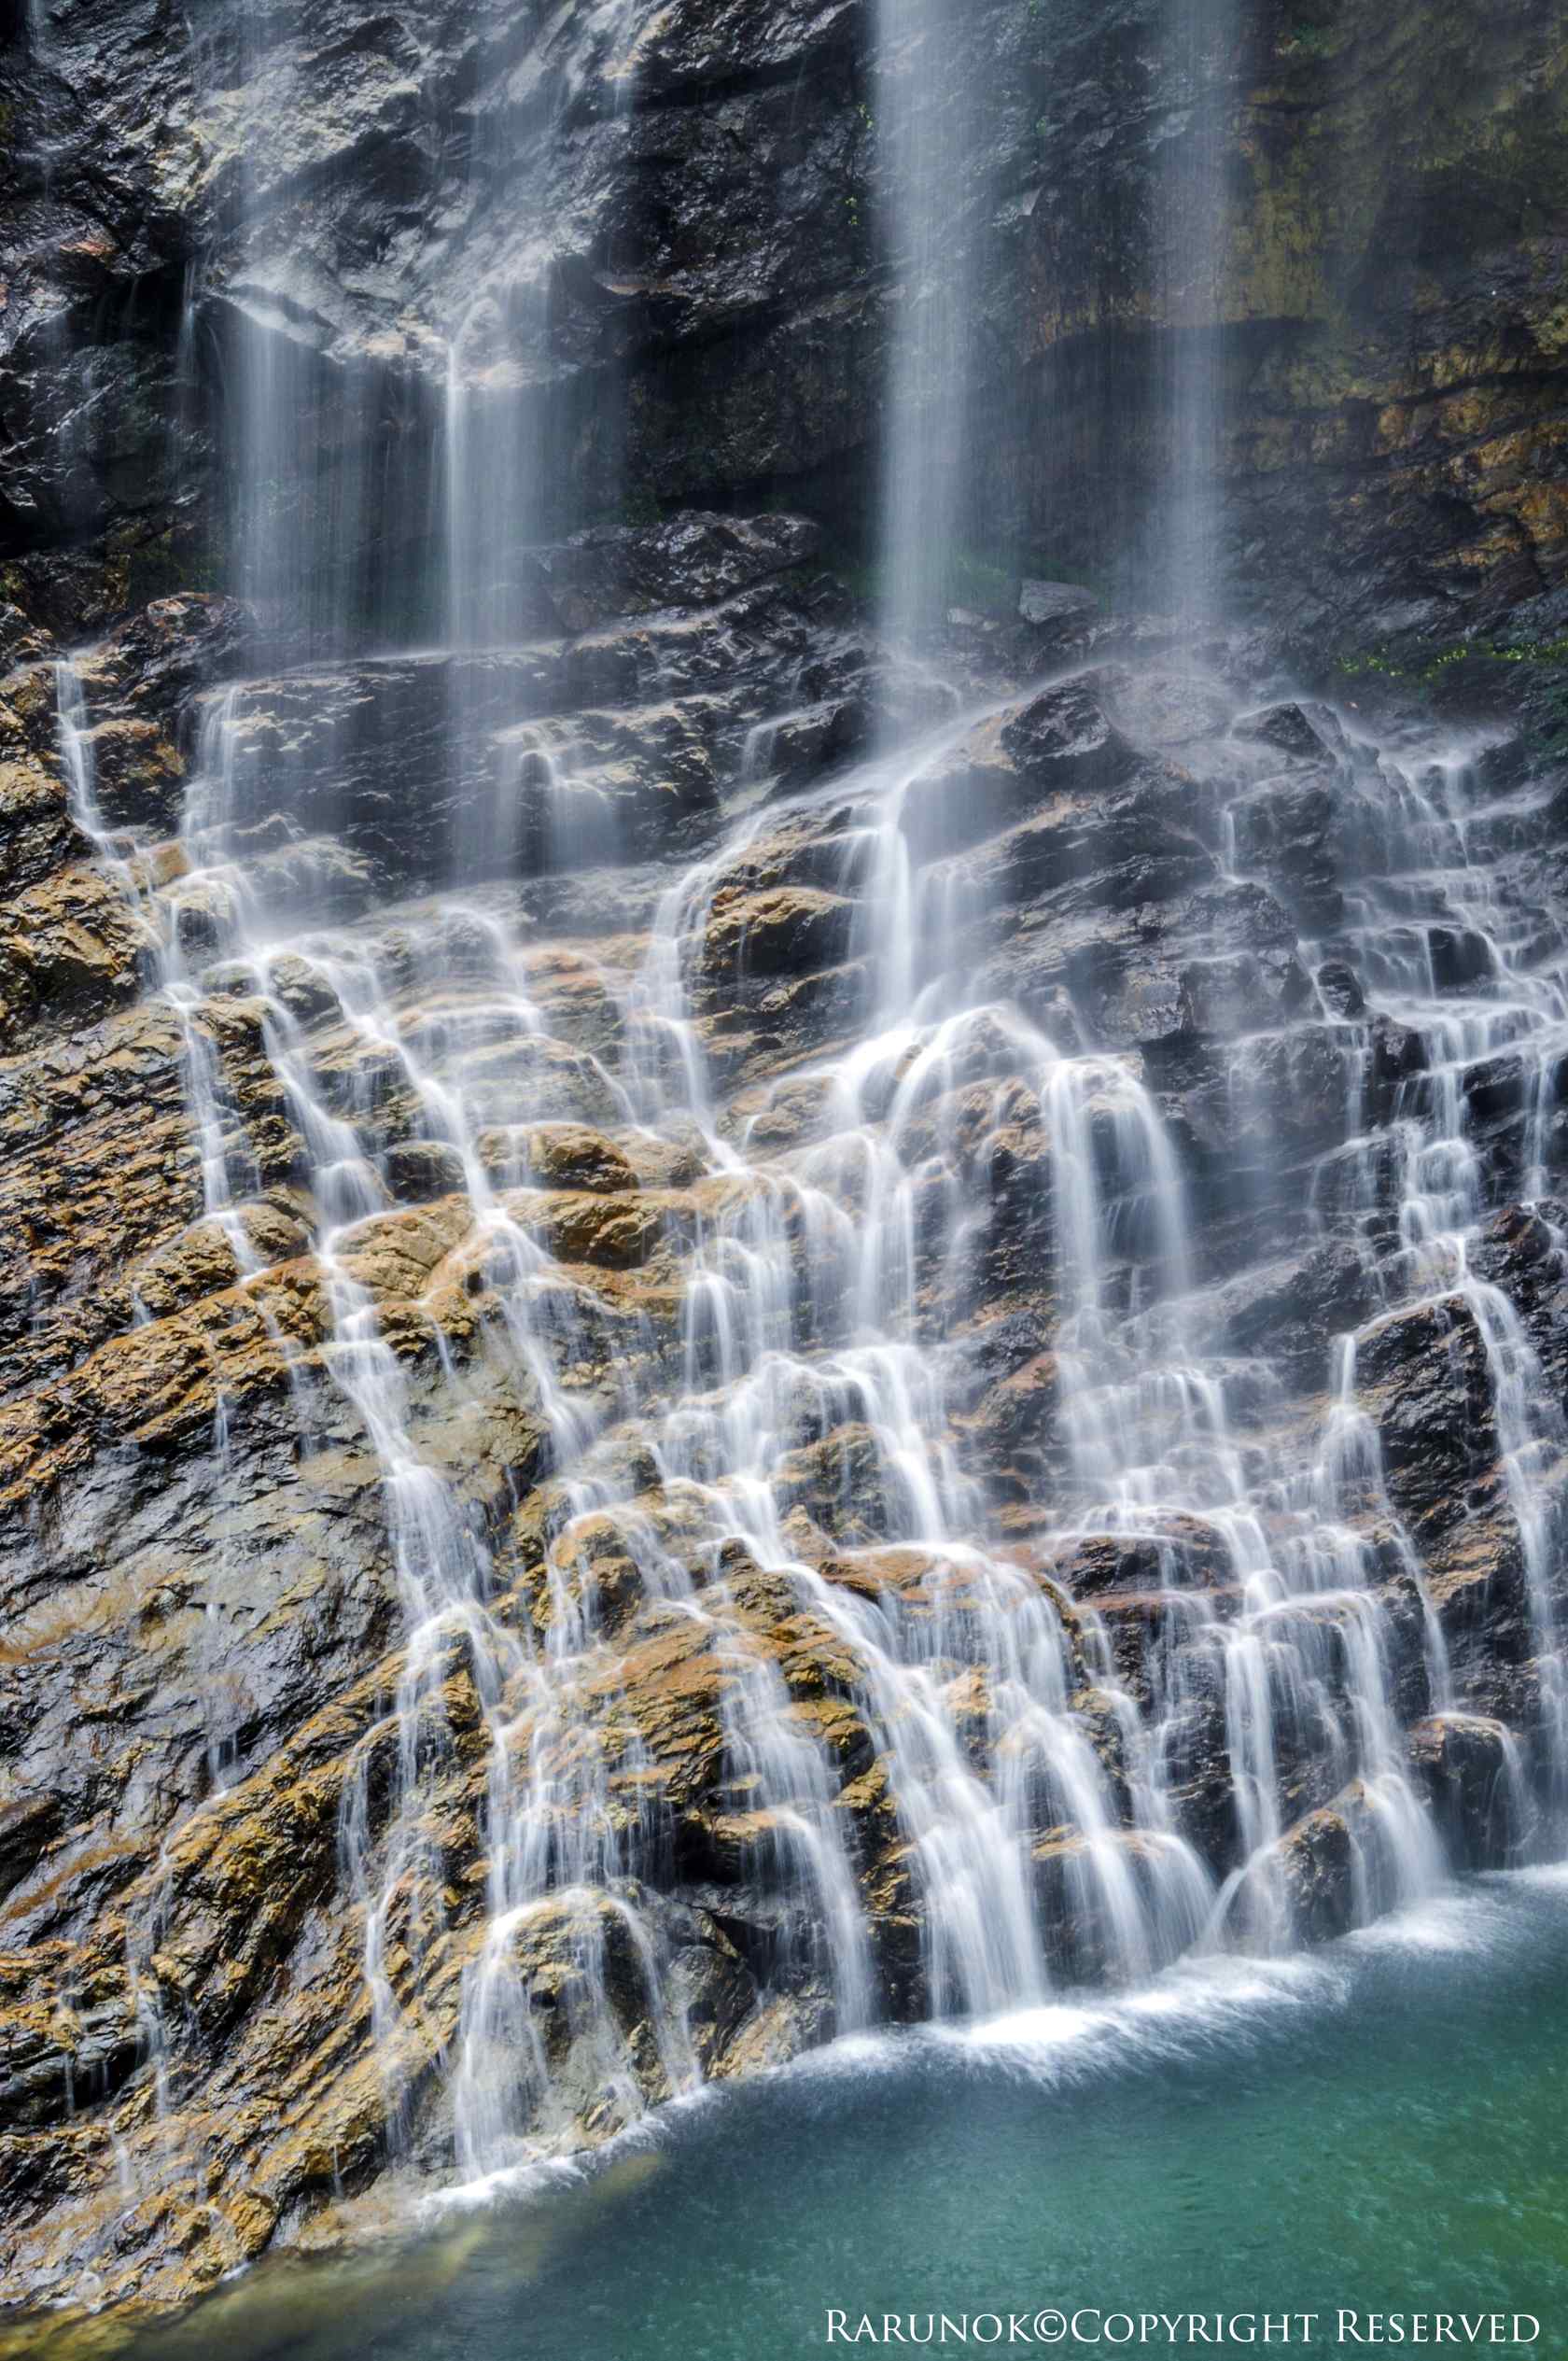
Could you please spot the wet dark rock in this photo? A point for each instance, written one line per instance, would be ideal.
(1284, 833)
(1291, 730)
(27, 1822)
(415, 1171)
(1315, 1865)
(1461, 958)
(1341, 990)
(37, 835)
(1520, 1250)
(1109, 855)
(1056, 748)
(692, 561)
(22, 641)
(1184, 1554)
(420, 768)
(795, 930)
(1278, 1099)
(1291, 1311)
(1496, 1089)
(1425, 1372)
(1047, 605)
(1196, 1768)
(1397, 1055)
(1064, 737)
(1471, 1770)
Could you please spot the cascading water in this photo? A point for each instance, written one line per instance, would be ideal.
(1024, 1764)
(1154, 1465)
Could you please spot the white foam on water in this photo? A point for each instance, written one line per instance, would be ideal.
(544, 2177)
(1549, 1876)
(1452, 1923)
(1200, 2008)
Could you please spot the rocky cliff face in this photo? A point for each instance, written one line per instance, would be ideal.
(552, 1499)
(207, 1675)
(671, 224)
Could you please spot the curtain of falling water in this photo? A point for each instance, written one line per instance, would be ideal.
(922, 97)
(1200, 72)
(518, 440)
(327, 443)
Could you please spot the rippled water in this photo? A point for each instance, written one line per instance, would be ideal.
(1377, 2127)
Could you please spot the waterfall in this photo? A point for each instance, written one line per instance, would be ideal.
(661, 1314)
(1155, 1469)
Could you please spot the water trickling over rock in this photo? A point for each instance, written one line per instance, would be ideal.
(733, 1319)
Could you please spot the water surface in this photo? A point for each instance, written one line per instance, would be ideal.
(1380, 2125)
